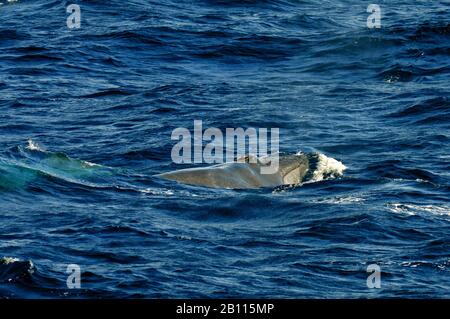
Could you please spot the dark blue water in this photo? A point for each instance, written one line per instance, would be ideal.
(86, 117)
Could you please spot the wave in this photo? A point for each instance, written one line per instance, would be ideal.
(135, 36)
(435, 110)
(439, 104)
(427, 30)
(108, 92)
(398, 169)
(25, 164)
(403, 73)
(257, 46)
(17, 274)
(15, 270)
(421, 31)
(7, 34)
(413, 210)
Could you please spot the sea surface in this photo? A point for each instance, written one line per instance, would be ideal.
(86, 117)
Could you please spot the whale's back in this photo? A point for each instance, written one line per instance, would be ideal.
(244, 174)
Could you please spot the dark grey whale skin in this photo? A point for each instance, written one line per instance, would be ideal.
(292, 170)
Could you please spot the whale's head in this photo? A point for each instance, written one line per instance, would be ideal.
(293, 168)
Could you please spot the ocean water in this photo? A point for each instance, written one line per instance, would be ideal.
(86, 117)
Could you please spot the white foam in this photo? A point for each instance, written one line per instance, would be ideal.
(327, 167)
(90, 164)
(8, 1)
(8, 260)
(162, 192)
(342, 200)
(412, 210)
(33, 146)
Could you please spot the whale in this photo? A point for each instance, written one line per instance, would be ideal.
(245, 173)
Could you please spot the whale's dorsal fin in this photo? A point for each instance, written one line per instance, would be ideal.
(286, 164)
(248, 159)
